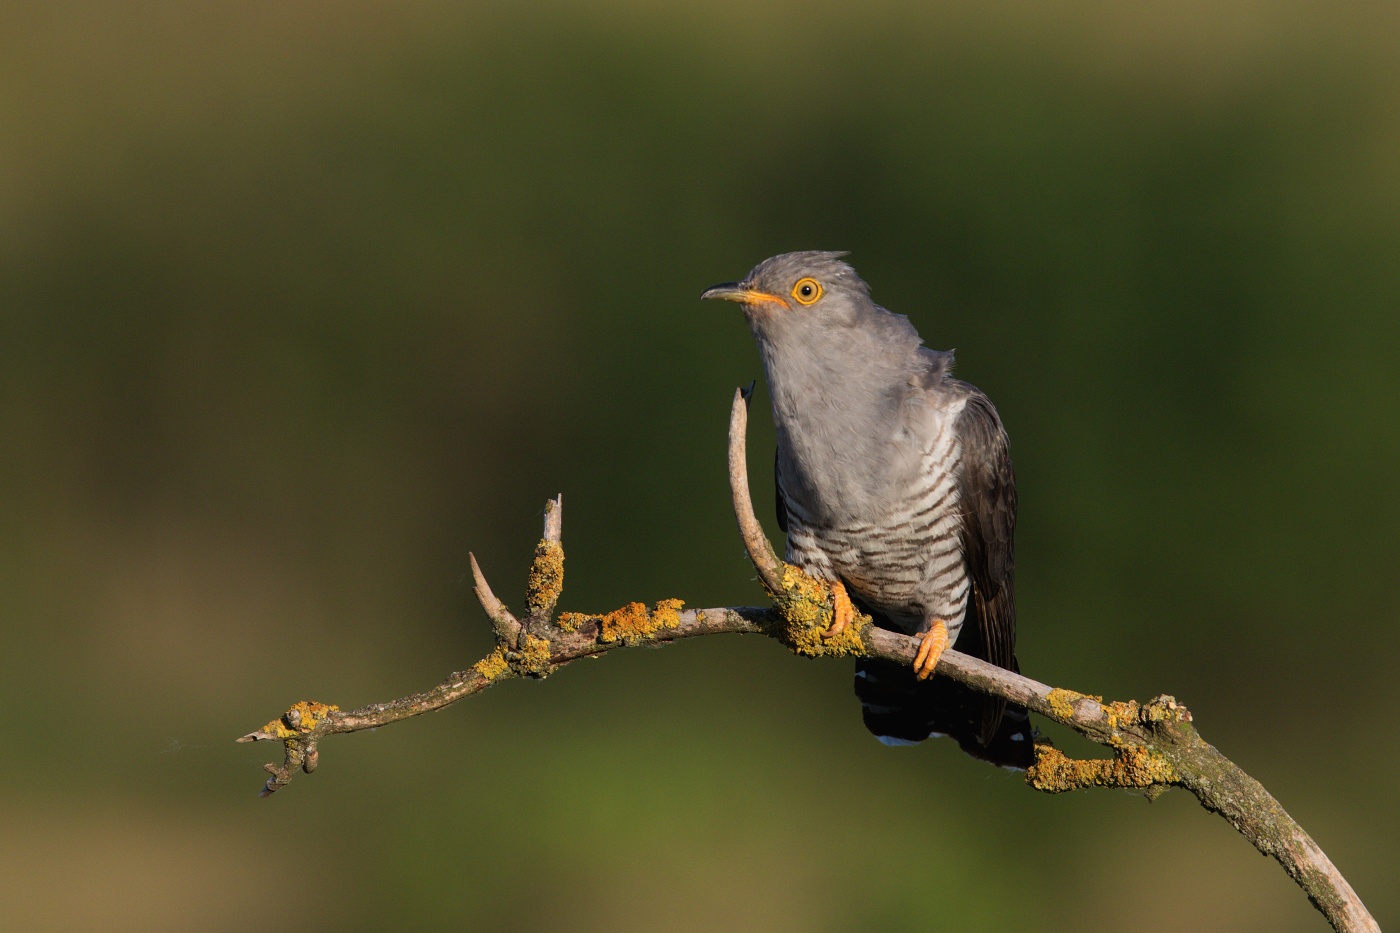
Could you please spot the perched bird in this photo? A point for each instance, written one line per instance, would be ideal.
(894, 484)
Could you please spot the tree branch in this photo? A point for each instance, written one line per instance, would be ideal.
(1154, 745)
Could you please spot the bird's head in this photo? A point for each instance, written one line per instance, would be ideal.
(810, 286)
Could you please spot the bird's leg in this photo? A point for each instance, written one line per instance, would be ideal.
(843, 613)
(931, 649)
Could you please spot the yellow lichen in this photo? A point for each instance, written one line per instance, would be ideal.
(621, 624)
(806, 609)
(531, 657)
(306, 714)
(1165, 708)
(573, 621)
(534, 655)
(546, 579)
(1062, 702)
(633, 624)
(667, 613)
(1130, 766)
(1139, 766)
(1120, 714)
(492, 666)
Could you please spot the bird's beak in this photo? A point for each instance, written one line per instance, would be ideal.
(742, 293)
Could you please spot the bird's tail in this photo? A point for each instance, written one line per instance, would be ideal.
(900, 709)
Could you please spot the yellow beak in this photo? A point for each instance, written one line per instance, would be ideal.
(738, 291)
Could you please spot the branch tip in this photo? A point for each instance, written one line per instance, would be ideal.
(554, 519)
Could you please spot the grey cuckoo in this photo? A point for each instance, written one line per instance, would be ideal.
(895, 484)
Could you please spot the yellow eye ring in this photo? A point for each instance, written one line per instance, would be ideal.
(807, 291)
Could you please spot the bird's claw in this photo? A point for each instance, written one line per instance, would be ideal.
(843, 613)
(931, 648)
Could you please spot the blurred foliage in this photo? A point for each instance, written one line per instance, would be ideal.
(300, 302)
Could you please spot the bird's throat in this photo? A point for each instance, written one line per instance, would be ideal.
(836, 403)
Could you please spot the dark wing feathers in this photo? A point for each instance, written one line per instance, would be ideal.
(987, 489)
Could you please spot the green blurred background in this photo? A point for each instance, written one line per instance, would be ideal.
(300, 302)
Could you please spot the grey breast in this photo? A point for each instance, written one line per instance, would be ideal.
(907, 562)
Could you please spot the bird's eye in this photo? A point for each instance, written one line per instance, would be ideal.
(807, 291)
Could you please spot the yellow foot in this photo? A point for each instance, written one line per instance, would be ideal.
(843, 613)
(931, 649)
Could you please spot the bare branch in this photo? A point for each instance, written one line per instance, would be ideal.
(1154, 745)
(554, 519)
(765, 560)
(506, 625)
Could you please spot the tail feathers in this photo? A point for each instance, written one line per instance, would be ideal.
(900, 709)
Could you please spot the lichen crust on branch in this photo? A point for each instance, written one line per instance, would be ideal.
(530, 658)
(300, 719)
(633, 624)
(1130, 729)
(1062, 703)
(806, 610)
(533, 656)
(1131, 766)
(494, 666)
(546, 579)
(573, 621)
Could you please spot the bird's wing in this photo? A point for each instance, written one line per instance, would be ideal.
(987, 489)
